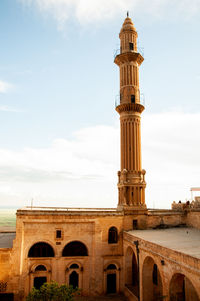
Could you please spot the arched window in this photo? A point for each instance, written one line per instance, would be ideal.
(111, 267)
(41, 249)
(40, 268)
(112, 235)
(75, 248)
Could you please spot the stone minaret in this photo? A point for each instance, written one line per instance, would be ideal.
(131, 183)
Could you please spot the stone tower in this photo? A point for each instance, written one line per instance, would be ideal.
(131, 183)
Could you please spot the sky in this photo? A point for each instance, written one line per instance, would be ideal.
(59, 129)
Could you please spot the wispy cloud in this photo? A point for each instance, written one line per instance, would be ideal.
(92, 11)
(4, 86)
(82, 171)
(10, 109)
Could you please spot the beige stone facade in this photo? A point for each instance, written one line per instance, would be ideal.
(144, 254)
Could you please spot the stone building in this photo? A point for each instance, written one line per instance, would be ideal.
(144, 254)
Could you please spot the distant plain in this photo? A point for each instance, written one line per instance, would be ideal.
(7, 219)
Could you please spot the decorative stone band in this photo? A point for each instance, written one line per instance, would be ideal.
(135, 107)
(128, 57)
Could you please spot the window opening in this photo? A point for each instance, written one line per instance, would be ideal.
(131, 46)
(58, 233)
(112, 235)
(132, 98)
(135, 224)
(155, 274)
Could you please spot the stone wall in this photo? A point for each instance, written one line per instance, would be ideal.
(169, 263)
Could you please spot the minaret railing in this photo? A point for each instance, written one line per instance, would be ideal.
(139, 50)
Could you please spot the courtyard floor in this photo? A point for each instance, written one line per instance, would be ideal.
(113, 297)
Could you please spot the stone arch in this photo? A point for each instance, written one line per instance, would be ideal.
(41, 249)
(34, 266)
(181, 288)
(151, 280)
(39, 273)
(111, 266)
(40, 267)
(74, 262)
(74, 274)
(113, 262)
(131, 271)
(75, 248)
(111, 277)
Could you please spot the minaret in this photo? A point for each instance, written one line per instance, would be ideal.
(131, 183)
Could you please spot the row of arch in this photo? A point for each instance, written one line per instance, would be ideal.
(41, 273)
(180, 287)
(43, 249)
(74, 248)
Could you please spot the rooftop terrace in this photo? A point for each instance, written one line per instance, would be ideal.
(185, 240)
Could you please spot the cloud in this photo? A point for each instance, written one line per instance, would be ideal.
(10, 109)
(93, 11)
(4, 86)
(171, 155)
(82, 171)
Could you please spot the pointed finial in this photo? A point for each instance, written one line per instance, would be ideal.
(127, 13)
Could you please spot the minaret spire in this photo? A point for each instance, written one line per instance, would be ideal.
(131, 183)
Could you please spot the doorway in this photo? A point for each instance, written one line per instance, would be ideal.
(73, 279)
(39, 281)
(111, 283)
(7, 297)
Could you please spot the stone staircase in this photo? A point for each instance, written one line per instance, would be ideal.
(112, 297)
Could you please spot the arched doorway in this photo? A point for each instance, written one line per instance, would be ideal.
(74, 279)
(111, 279)
(182, 289)
(74, 274)
(132, 277)
(151, 281)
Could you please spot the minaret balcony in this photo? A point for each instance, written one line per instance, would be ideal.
(139, 50)
(118, 101)
(126, 57)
